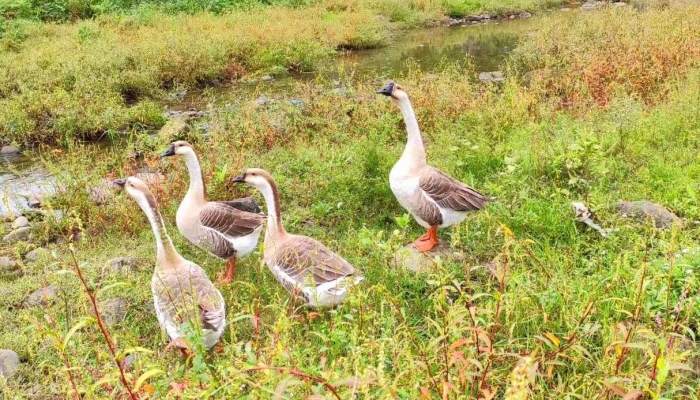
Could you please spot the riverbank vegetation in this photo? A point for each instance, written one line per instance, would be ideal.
(599, 109)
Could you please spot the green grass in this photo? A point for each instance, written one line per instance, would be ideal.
(583, 307)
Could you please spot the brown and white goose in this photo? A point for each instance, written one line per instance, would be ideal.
(183, 295)
(435, 199)
(301, 264)
(226, 229)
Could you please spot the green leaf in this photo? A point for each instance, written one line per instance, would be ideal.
(146, 375)
(76, 328)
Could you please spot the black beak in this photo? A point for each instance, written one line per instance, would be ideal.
(388, 90)
(169, 152)
(120, 182)
(239, 179)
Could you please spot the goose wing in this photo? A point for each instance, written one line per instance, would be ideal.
(228, 220)
(247, 204)
(449, 193)
(185, 294)
(306, 260)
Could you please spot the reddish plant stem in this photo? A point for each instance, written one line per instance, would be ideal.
(64, 359)
(101, 325)
(635, 316)
(299, 374)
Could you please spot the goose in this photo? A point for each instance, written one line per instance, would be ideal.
(301, 264)
(225, 229)
(435, 199)
(182, 293)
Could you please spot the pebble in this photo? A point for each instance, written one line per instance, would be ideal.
(9, 363)
(644, 209)
(42, 297)
(36, 255)
(18, 235)
(494, 76)
(20, 222)
(120, 265)
(9, 150)
(114, 310)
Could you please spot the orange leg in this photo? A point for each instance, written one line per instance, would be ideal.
(230, 269)
(428, 241)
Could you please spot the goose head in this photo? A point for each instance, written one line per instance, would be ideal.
(255, 177)
(394, 91)
(138, 190)
(179, 148)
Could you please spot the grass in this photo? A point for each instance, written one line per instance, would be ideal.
(598, 317)
(55, 72)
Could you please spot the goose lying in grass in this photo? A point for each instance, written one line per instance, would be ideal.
(182, 293)
(226, 229)
(435, 199)
(301, 264)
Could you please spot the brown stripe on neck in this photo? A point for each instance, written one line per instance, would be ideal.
(171, 254)
(276, 197)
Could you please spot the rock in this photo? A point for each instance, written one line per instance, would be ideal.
(114, 310)
(42, 297)
(9, 269)
(18, 235)
(8, 216)
(9, 151)
(642, 210)
(296, 102)
(565, 9)
(9, 362)
(262, 100)
(592, 5)
(620, 4)
(36, 255)
(408, 257)
(495, 76)
(266, 78)
(103, 192)
(20, 222)
(127, 363)
(34, 202)
(524, 14)
(120, 265)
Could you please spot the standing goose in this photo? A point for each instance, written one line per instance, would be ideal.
(435, 199)
(182, 293)
(301, 264)
(225, 229)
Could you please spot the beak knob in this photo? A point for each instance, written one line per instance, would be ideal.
(169, 152)
(120, 182)
(239, 179)
(388, 89)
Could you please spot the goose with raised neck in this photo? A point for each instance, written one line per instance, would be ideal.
(225, 229)
(302, 265)
(435, 199)
(177, 283)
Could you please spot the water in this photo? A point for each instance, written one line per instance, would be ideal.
(486, 46)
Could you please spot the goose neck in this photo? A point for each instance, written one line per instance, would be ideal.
(166, 255)
(415, 149)
(272, 201)
(195, 192)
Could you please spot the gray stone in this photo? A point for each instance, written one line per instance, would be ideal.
(407, 257)
(6, 264)
(494, 76)
(36, 255)
(643, 210)
(524, 14)
(120, 265)
(34, 202)
(266, 78)
(262, 100)
(174, 128)
(18, 235)
(8, 216)
(9, 269)
(42, 297)
(9, 150)
(9, 363)
(20, 222)
(114, 310)
(591, 5)
(127, 363)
